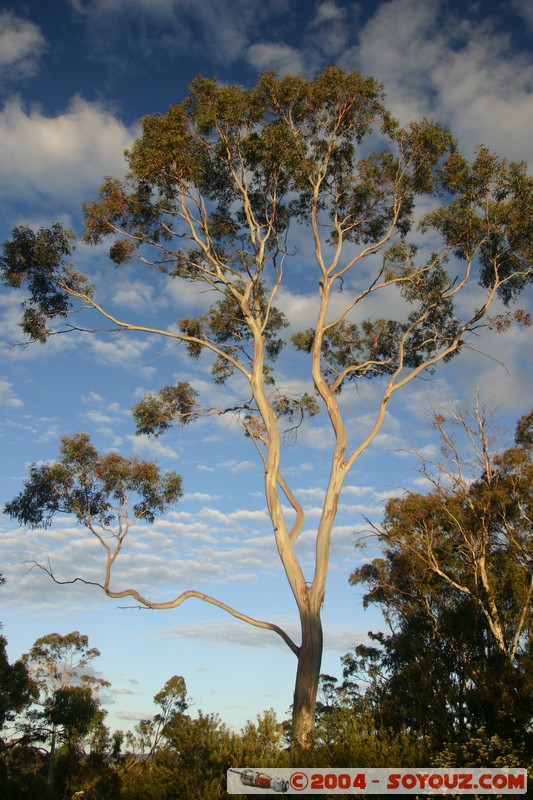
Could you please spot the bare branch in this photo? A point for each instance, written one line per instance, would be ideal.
(177, 601)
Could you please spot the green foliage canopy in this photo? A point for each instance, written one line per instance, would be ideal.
(455, 587)
(97, 488)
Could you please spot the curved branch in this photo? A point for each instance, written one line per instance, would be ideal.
(177, 601)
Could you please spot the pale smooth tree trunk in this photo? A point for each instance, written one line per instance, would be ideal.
(307, 674)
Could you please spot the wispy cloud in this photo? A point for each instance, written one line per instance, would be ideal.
(235, 466)
(122, 351)
(151, 447)
(234, 632)
(22, 45)
(200, 496)
(278, 56)
(137, 296)
(13, 344)
(524, 10)
(224, 27)
(133, 716)
(8, 396)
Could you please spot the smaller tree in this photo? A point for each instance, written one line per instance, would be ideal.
(70, 711)
(262, 741)
(197, 754)
(171, 701)
(106, 492)
(17, 693)
(58, 664)
(455, 587)
(16, 689)
(72, 708)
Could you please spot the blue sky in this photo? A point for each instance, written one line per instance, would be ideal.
(75, 76)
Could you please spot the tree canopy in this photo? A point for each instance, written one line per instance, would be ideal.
(455, 587)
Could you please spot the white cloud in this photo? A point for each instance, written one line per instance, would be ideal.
(201, 496)
(104, 415)
(327, 12)
(235, 632)
(13, 343)
(277, 56)
(301, 309)
(323, 42)
(21, 46)
(499, 376)
(62, 158)
(98, 417)
(151, 447)
(159, 560)
(134, 716)
(487, 95)
(92, 397)
(188, 296)
(245, 515)
(422, 485)
(7, 396)
(50, 434)
(329, 31)
(137, 296)
(311, 493)
(359, 491)
(122, 351)
(461, 71)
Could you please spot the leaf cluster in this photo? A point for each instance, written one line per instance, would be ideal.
(156, 412)
(73, 708)
(96, 488)
(376, 347)
(490, 215)
(16, 688)
(38, 262)
(227, 327)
